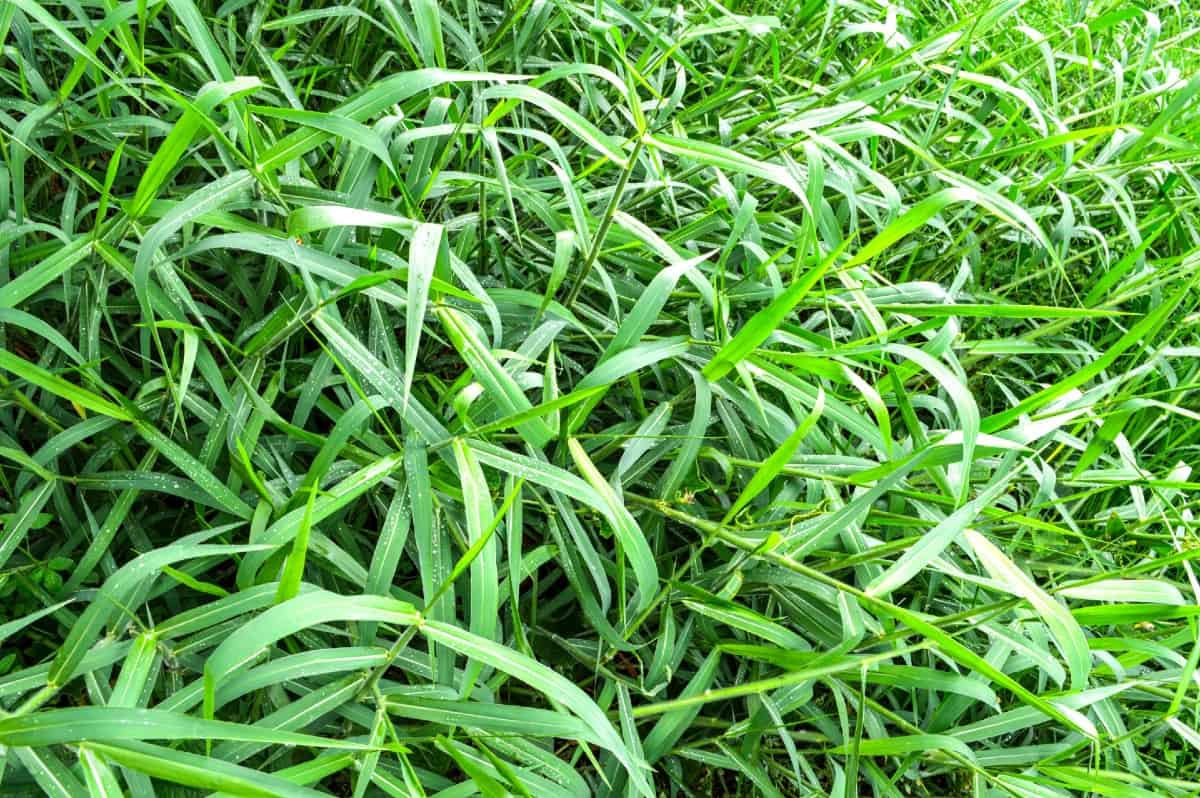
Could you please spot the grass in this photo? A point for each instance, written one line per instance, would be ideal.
(551, 398)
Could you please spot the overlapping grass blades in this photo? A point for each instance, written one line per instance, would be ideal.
(549, 398)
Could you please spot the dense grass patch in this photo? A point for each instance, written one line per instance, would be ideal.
(547, 398)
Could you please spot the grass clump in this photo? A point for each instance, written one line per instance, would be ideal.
(551, 398)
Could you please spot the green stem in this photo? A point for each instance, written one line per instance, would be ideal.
(602, 231)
